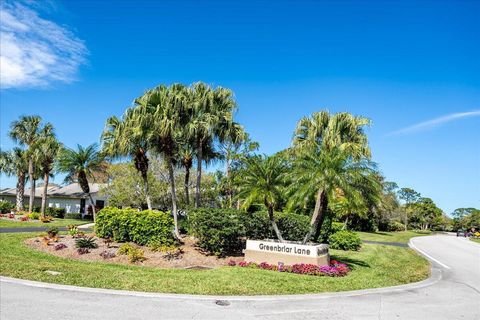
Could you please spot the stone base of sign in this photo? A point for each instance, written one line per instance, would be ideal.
(287, 253)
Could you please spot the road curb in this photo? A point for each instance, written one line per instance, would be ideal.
(435, 276)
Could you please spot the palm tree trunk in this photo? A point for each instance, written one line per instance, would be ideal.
(230, 191)
(32, 185)
(272, 221)
(44, 195)
(94, 211)
(146, 190)
(199, 174)
(173, 195)
(318, 216)
(20, 191)
(185, 185)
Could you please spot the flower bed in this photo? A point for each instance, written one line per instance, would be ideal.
(335, 269)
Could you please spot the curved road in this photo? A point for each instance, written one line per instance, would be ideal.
(455, 296)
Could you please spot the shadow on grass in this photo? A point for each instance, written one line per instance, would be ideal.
(352, 263)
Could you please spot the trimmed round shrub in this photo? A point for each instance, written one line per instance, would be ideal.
(141, 227)
(395, 226)
(55, 212)
(219, 231)
(345, 240)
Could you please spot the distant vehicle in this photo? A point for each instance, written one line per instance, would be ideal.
(461, 233)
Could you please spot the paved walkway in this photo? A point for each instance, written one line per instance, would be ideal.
(452, 293)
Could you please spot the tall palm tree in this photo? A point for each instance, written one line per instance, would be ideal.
(27, 131)
(128, 137)
(81, 165)
(324, 174)
(186, 154)
(166, 109)
(211, 116)
(47, 149)
(325, 131)
(263, 179)
(15, 163)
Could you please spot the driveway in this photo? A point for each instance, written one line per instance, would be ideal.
(452, 293)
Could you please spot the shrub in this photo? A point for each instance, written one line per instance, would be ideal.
(24, 218)
(345, 240)
(11, 216)
(60, 246)
(46, 219)
(125, 248)
(141, 227)
(55, 212)
(395, 226)
(6, 207)
(52, 232)
(107, 254)
(292, 226)
(87, 243)
(77, 216)
(218, 231)
(34, 215)
(72, 230)
(136, 255)
(83, 250)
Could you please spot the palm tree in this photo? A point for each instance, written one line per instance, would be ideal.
(325, 131)
(27, 131)
(128, 137)
(210, 118)
(47, 149)
(322, 176)
(165, 107)
(186, 154)
(15, 162)
(263, 180)
(81, 165)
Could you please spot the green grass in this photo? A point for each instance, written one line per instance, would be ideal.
(373, 266)
(55, 223)
(399, 236)
(475, 239)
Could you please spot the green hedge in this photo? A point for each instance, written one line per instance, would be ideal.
(218, 231)
(142, 227)
(292, 226)
(345, 240)
(77, 216)
(55, 212)
(6, 207)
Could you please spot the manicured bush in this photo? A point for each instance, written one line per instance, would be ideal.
(6, 207)
(125, 248)
(219, 231)
(292, 226)
(34, 215)
(52, 231)
(141, 227)
(345, 240)
(77, 216)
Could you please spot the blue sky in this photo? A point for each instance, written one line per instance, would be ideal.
(412, 67)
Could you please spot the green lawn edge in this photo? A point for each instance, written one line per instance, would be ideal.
(477, 240)
(397, 236)
(373, 266)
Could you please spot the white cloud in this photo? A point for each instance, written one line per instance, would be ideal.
(35, 52)
(436, 122)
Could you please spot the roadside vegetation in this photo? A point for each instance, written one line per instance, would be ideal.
(372, 267)
(32, 223)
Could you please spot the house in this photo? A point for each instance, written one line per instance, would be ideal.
(71, 197)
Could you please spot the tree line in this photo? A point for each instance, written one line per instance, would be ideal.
(326, 173)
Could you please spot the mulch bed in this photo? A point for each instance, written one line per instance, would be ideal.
(191, 256)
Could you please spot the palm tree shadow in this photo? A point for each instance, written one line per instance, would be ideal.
(351, 262)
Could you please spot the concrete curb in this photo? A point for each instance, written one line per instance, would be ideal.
(435, 276)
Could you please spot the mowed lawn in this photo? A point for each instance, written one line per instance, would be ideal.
(373, 266)
(398, 236)
(4, 223)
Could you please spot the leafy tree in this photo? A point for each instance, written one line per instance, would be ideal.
(425, 213)
(263, 180)
(27, 131)
(125, 188)
(409, 196)
(129, 137)
(15, 162)
(81, 165)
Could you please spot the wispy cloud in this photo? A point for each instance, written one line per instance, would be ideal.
(36, 52)
(435, 122)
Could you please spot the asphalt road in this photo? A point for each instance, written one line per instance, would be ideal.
(455, 296)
